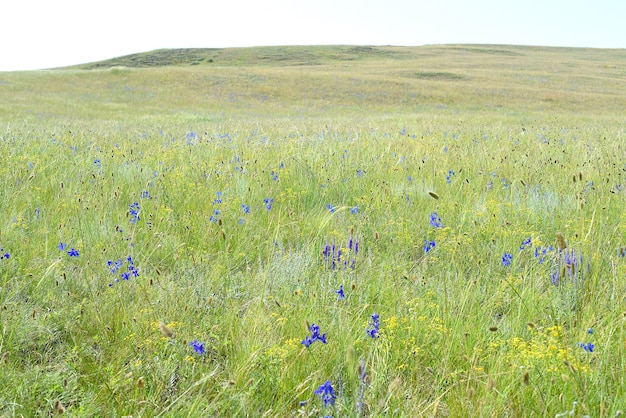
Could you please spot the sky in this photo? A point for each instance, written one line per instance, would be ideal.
(39, 34)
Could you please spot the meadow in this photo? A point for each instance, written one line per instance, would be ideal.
(316, 231)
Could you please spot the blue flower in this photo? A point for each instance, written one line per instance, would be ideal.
(134, 212)
(198, 347)
(73, 252)
(589, 331)
(245, 208)
(449, 176)
(526, 243)
(330, 208)
(354, 210)
(326, 393)
(373, 330)
(62, 246)
(340, 294)
(268, 202)
(586, 346)
(145, 195)
(274, 175)
(435, 220)
(315, 336)
(6, 255)
(507, 259)
(428, 245)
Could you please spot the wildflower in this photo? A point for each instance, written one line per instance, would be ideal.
(589, 331)
(326, 393)
(315, 336)
(449, 176)
(97, 162)
(507, 258)
(245, 208)
(214, 217)
(145, 195)
(340, 294)
(198, 347)
(586, 346)
(268, 202)
(359, 173)
(435, 220)
(218, 198)
(115, 267)
(541, 252)
(373, 330)
(6, 255)
(428, 245)
(274, 175)
(354, 210)
(330, 208)
(526, 243)
(62, 246)
(73, 252)
(134, 212)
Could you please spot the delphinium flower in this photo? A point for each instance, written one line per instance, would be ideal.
(586, 346)
(326, 393)
(198, 347)
(374, 327)
(97, 163)
(269, 201)
(354, 210)
(542, 252)
(435, 220)
(218, 198)
(528, 242)
(214, 217)
(428, 246)
(330, 208)
(507, 259)
(274, 175)
(449, 176)
(134, 212)
(359, 173)
(315, 336)
(245, 208)
(622, 252)
(5, 254)
(116, 266)
(72, 252)
(334, 256)
(340, 294)
(145, 195)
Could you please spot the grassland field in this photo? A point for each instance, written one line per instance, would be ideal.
(343, 231)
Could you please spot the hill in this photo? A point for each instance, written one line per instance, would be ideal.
(502, 82)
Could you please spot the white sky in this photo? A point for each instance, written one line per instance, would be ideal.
(38, 34)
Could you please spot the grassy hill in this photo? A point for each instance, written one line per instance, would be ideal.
(504, 82)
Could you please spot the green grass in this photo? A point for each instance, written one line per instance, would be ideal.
(535, 138)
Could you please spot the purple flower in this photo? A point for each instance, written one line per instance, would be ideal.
(354, 210)
(315, 336)
(330, 208)
(73, 252)
(62, 246)
(435, 220)
(507, 259)
(428, 245)
(6, 255)
(268, 202)
(526, 243)
(340, 294)
(586, 346)
(373, 330)
(326, 393)
(198, 347)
